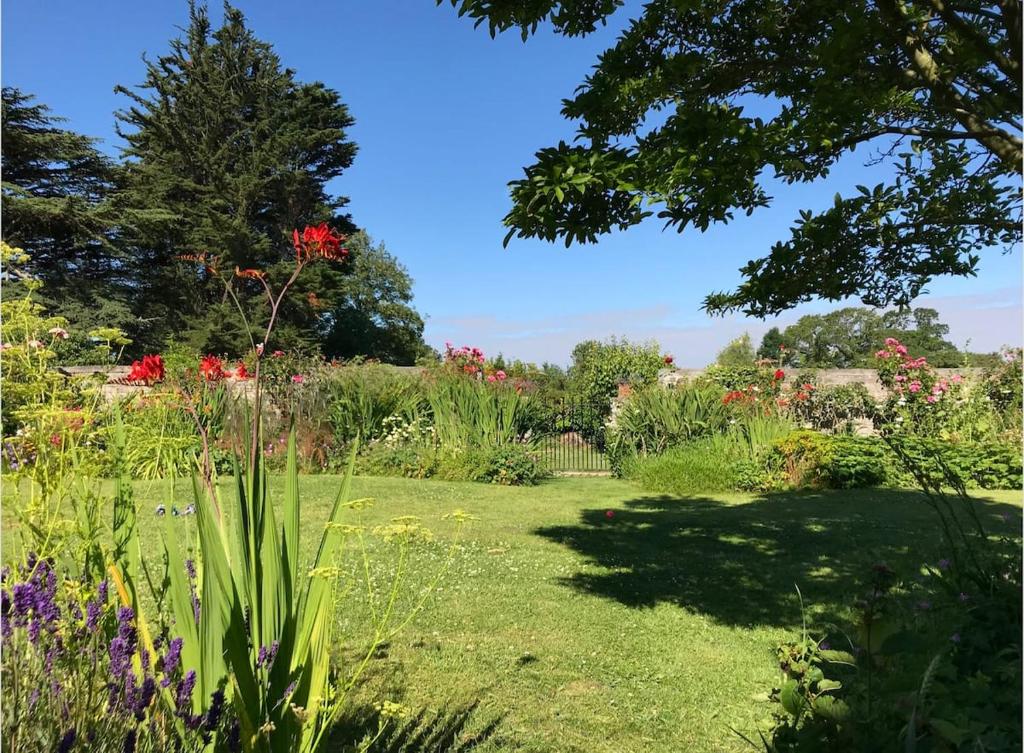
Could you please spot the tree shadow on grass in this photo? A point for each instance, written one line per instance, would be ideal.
(449, 731)
(739, 563)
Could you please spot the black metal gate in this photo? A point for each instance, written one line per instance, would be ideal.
(574, 438)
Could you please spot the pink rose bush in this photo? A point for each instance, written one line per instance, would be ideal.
(920, 398)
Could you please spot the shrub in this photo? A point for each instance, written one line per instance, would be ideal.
(508, 465)
(654, 419)
(599, 367)
(829, 409)
(934, 664)
(408, 460)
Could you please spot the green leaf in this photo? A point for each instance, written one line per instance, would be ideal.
(790, 697)
(948, 731)
(830, 708)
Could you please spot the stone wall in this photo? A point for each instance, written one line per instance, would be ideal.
(824, 377)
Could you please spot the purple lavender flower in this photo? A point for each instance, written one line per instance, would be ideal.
(171, 660)
(955, 637)
(213, 713)
(145, 698)
(190, 568)
(287, 693)
(24, 598)
(67, 741)
(183, 701)
(267, 654)
(824, 645)
(233, 740)
(964, 597)
(93, 610)
(122, 648)
(944, 563)
(101, 591)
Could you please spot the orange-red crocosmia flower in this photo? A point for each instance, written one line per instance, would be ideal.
(319, 241)
(241, 372)
(252, 274)
(149, 370)
(212, 368)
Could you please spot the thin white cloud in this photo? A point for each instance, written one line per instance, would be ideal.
(984, 321)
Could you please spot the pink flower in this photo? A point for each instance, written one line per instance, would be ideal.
(277, 354)
(901, 349)
(882, 354)
(901, 377)
(35, 344)
(298, 379)
(501, 375)
(609, 514)
(891, 342)
(59, 332)
(957, 379)
(915, 386)
(259, 349)
(492, 378)
(931, 399)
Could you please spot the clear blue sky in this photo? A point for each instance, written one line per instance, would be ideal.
(445, 117)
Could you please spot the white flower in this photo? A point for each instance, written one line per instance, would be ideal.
(35, 344)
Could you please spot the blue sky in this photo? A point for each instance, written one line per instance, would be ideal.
(445, 117)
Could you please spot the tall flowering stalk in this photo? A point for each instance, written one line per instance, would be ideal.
(264, 622)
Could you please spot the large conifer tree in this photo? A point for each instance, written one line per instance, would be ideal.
(226, 153)
(56, 205)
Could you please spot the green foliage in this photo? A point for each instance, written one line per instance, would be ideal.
(830, 409)
(725, 461)
(699, 467)
(374, 317)
(57, 205)
(933, 665)
(507, 465)
(664, 127)
(743, 377)
(66, 666)
(599, 367)
(1003, 385)
(363, 397)
(654, 419)
(737, 354)
(469, 413)
(773, 345)
(975, 465)
(228, 153)
(848, 338)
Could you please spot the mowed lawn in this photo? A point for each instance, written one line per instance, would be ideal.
(559, 627)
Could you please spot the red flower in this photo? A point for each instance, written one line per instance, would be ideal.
(779, 374)
(212, 368)
(149, 370)
(669, 360)
(252, 274)
(609, 514)
(241, 372)
(277, 354)
(319, 241)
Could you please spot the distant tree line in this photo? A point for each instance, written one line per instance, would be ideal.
(849, 337)
(225, 153)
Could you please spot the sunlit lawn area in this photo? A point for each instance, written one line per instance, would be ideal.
(571, 630)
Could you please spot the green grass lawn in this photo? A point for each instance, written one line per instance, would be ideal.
(558, 628)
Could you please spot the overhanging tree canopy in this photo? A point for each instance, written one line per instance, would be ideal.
(930, 87)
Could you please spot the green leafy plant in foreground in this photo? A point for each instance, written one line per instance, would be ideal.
(260, 627)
